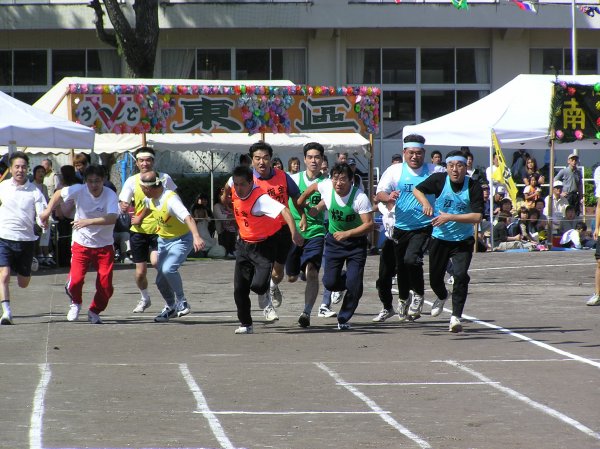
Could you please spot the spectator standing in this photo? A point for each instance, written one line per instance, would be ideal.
(572, 182)
(21, 203)
(436, 157)
(293, 165)
(225, 223)
(51, 178)
(96, 211)
(278, 163)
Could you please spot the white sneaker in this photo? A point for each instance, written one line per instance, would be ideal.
(455, 324)
(337, 297)
(244, 330)
(94, 318)
(127, 260)
(6, 319)
(270, 314)
(73, 313)
(416, 306)
(326, 312)
(276, 296)
(594, 300)
(437, 307)
(35, 265)
(384, 315)
(142, 305)
(402, 310)
(450, 280)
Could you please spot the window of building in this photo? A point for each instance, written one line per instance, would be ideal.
(252, 65)
(557, 61)
(363, 66)
(399, 66)
(437, 66)
(289, 64)
(5, 68)
(30, 68)
(213, 64)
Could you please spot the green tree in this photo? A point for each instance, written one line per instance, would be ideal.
(138, 43)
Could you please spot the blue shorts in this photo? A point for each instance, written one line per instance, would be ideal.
(299, 256)
(17, 255)
(142, 245)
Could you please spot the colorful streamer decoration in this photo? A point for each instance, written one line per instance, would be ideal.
(590, 10)
(460, 4)
(525, 5)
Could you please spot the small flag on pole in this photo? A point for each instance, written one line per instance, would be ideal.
(460, 4)
(502, 174)
(525, 5)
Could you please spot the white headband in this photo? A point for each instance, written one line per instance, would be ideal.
(457, 159)
(154, 183)
(144, 154)
(414, 145)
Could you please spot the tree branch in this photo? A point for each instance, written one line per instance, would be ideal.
(107, 38)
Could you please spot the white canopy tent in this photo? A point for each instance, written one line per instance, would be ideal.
(518, 112)
(27, 126)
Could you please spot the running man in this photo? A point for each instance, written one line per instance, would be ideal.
(21, 204)
(350, 220)
(258, 217)
(458, 206)
(308, 257)
(96, 212)
(177, 235)
(280, 186)
(412, 229)
(143, 238)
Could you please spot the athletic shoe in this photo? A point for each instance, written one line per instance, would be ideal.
(450, 280)
(73, 313)
(127, 260)
(337, 296)
(343, 326)
(304, 320)
(244, 330)
(276, 296)
(437, 307)
(384, 315)
(142, 305)
(403, 310)
(416, 306)
(165, 315)
(455, 324)
(35, 265)
(594, 300)
(270, 314)
(183, 308)
(6, 319)
(50, 262)
(94, 318)
(326, 312)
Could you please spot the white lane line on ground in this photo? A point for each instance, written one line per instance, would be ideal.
(373, 406)
(540, 344)
(306, 412)
(510, 360)
(412, 384)
(520, 267)
(37, 412)
(202, 405)
(521, 397)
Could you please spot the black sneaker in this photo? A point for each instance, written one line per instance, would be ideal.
(166, 314)
(304, 320)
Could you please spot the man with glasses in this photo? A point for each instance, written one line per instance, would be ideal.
(457, 207)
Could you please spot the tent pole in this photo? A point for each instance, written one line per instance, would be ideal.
(212, 181)
(144, 141)
(62, 97)
(492, 191)
(370, 186)
(551, 193)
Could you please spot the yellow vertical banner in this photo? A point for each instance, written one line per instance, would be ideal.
(502, 174)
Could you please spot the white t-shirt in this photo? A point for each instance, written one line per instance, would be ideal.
(390, 177)
(265, 205)
(20, 206)
(296, 178)
(597, 181)
(388, 219)
(174, 205)
(89, 206)
(361, 203)
(129, 187)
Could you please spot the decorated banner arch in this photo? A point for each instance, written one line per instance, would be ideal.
(575, 112)
(251, 109)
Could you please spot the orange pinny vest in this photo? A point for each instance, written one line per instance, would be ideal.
(252, 228)
(276, 188)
